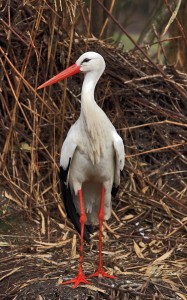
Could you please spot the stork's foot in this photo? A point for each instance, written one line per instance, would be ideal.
(80, 278)
(101, 273)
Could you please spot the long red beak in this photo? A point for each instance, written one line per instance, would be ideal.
(74, 69)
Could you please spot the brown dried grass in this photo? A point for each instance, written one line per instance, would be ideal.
(146, 103)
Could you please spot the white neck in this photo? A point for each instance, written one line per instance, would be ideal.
(89, 108)
(88, 87)
(92, 118)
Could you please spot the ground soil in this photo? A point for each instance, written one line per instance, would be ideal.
(33, 268)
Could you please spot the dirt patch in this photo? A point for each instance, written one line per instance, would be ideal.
(148, 265)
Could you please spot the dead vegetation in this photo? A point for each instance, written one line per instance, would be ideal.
(145, 240)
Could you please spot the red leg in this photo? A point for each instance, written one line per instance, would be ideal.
(100, 272)
(80, 278)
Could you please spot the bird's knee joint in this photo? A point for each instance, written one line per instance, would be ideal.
(82, 218)
(101, 215)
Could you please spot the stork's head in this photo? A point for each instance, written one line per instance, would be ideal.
(87, 62)
(91, 61)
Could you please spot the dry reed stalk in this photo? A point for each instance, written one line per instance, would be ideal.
(146, 103)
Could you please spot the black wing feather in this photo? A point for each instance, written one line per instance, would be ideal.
(69, 205)
(114, 190)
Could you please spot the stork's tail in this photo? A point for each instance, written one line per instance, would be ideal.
(70, 207)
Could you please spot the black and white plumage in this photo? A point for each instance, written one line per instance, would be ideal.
(92, 157)
(93, 153)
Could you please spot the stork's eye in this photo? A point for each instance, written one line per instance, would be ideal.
(86, 60)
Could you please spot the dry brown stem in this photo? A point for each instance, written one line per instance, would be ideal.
(147, 104)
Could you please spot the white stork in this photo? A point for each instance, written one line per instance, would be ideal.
(91, 159)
